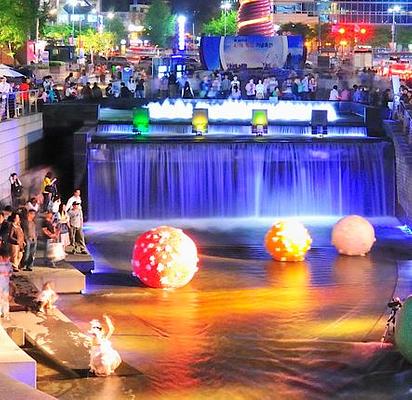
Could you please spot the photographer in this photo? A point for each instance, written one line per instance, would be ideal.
(16, 190)
(395, 305)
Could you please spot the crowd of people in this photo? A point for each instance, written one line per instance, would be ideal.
(224, 85)
(362, 94)
(23, 223)
(58, 224)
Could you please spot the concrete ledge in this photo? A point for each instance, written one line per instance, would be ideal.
(65, 280)
(15, 363)
(57, 337)
(16, 390)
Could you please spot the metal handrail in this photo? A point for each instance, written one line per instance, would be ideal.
(17, 104)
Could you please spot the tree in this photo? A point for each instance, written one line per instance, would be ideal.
(159, 23)
(95, 42)
(17, 22)
(403, 35)
(216, 26)
(116, 27)
(298, 29)
(58, 33)
(380, 37)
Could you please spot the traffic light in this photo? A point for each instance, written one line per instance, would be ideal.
(342, 30)
(363, 31)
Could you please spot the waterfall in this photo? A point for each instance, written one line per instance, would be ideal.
(197, 180)
(109, 130)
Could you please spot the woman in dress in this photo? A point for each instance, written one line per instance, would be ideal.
(62, 223)
(103, 358)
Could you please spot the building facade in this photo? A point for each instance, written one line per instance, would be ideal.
(375, 12)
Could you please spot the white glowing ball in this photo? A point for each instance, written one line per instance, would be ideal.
(353, 236)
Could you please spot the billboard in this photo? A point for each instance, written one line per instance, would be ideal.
(232, 52)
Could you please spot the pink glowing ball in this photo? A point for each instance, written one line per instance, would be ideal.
(353, 236)
(164, 257)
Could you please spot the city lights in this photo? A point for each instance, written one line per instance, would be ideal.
(181, 21)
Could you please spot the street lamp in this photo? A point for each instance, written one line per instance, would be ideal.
(110, 15)
(181, 20)
(395, 9)
(73, 3)
(225, 7)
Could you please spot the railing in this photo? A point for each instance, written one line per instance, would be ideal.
(17, 104)
(404, 115)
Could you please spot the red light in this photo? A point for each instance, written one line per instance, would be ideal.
(363, 31)
(342, 31)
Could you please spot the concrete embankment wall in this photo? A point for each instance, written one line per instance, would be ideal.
(20, 150)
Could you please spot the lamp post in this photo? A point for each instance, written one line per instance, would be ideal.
(225, 7)
(181, 21)
(395, 9)
(73, 3)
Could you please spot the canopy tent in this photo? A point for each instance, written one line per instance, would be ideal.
(9, 72)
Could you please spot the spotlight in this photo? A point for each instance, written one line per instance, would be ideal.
(140, 120)
(319, 122)
(200, 121)
(259, 122)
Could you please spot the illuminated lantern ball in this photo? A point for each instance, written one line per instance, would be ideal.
(288, 241)
(164, 257)
(353, 236)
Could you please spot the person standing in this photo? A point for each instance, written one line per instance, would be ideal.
(50, 234)
(63, 224)
(260, 90)
(225, 86)
(32, 204)
(187, 92)
(30, 236)
(16, 241)
(140, 88)
(47, 190)
(334, 94)
(76, 229)
(75, 198)
(250, 90)
(16, 190)
(313, 87)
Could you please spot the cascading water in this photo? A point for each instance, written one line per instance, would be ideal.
(109, 130)
(198, 180)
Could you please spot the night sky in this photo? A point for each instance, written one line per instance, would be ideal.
(204, 8)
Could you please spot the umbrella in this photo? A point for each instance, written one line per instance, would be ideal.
(9, 72)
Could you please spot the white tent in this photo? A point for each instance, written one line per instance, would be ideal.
(9, 72)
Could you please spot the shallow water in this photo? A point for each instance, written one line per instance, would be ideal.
(246, 327)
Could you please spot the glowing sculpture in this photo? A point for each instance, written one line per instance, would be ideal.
(164, 257)
(353, 236)
(288, 241)
(254, 18)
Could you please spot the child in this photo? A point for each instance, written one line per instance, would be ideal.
(103, 358)
(47, 297)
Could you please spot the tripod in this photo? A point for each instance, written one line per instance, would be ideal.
(390, 325)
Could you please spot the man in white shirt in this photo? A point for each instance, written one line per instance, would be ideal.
(5, 87)
(32, 205)
(334, 94)
(75, 198)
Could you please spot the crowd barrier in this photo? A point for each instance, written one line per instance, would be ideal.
(17, 104)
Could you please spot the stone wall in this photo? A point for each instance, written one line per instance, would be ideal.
(19, 151)
(403, 156)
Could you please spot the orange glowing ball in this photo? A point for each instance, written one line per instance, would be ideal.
(288, 241)
(164, 257)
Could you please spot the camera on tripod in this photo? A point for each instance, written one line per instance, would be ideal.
(395, 303)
